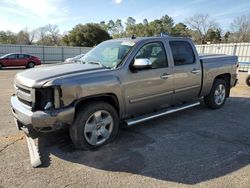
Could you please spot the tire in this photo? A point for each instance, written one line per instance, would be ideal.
(1, 66)
(30, 65)
(89, 130)
(218, 95)
(248, 81)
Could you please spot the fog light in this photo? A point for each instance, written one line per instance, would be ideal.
(48, 106)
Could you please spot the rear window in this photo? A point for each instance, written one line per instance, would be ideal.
(182, 52)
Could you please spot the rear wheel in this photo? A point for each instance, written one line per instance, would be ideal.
(30, 65)
(248, 81)
(95, 125)
(218, 94)
(1, 66)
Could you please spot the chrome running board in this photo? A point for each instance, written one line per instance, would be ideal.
(140, 119)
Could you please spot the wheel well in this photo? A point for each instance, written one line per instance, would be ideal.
(109, 98)
(227, 78)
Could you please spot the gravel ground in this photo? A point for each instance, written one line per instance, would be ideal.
(194, 148)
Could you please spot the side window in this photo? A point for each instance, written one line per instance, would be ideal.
(21, 56)
(182, 52)
(155, 52)
(12, 56)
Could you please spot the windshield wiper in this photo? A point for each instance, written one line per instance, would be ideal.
(97, 63)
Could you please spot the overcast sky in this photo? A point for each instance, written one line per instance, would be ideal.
(18, 14)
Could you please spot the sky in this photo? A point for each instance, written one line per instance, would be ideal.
(19, 14)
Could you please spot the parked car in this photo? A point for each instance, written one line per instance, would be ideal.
(248, 78)
(120, 83)
(19, 59)
(74, 59)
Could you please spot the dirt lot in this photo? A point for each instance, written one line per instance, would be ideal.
(196, 147)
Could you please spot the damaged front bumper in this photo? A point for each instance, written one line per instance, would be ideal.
(41, 120)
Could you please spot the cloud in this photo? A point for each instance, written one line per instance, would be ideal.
(47, 11)
(117, 1)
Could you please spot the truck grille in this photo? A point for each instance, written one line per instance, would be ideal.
(25, 95)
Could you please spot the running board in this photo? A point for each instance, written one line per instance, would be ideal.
(140, 119)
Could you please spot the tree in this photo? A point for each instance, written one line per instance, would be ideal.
(41, 35)
(180, 30)
(130, 26)
(167, 24)
(25, 36)
(53, 32)
(7, 37)
(88, 35)
(201, 23)
(213, 36)
(241, 29)
(145, 21)
(111, 27)
(118, 26)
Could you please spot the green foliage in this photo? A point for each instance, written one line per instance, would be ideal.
(8, 37)
(213, 36)
(86, 35)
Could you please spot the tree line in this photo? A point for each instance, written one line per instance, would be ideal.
(200, 27)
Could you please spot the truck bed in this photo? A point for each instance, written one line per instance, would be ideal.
(217, 64)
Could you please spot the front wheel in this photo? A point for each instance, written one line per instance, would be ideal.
(218, 95)
(248, 81)
(95, 125)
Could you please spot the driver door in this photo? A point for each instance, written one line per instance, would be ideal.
(11, 60)
(149, 89)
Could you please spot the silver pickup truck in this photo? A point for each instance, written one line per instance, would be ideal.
(120, 82)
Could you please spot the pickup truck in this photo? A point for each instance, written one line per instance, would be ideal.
(120, 82)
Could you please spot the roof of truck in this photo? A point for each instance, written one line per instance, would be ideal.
(137, 39)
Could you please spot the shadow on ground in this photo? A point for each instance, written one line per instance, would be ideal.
(187, 147)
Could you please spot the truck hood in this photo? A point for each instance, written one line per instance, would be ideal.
(37, 77)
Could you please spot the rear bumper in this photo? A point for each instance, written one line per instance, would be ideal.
(41, 119)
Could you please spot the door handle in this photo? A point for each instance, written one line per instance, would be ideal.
(165, 76)
(195, 71)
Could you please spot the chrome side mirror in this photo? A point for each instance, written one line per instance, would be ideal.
(142, 63)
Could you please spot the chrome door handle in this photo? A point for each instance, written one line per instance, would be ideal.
(195, 71)
(165, 76)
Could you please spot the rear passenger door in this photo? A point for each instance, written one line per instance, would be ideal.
(23, 59)
(187, 71)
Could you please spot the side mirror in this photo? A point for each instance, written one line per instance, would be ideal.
(142, 63)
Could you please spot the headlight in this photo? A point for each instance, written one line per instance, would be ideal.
(48, 98)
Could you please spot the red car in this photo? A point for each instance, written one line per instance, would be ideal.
(19, 59)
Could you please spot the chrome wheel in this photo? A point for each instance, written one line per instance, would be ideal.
(219, 94)
(98, 127)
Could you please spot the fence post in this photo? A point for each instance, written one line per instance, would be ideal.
(62, 54)
(203, 49)
(43, 55)
(234, 50)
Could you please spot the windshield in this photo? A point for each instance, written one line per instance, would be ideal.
(4, 56)
(108, 54)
